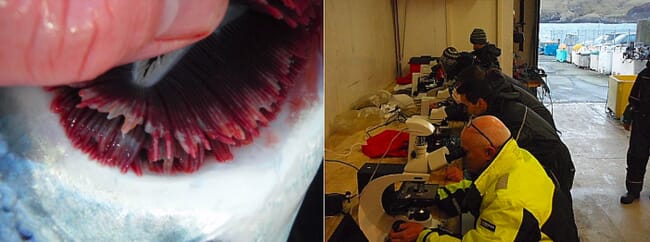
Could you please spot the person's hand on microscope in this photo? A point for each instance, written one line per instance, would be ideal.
(454, 174)
(52, 42)
(406, 232)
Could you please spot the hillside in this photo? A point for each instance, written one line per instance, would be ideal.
(594, 11)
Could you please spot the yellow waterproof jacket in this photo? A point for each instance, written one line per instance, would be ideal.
(519, 202)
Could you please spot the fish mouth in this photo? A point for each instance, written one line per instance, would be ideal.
(170, 113)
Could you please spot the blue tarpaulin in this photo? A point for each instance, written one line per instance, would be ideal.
(550, 49)
(561, 55)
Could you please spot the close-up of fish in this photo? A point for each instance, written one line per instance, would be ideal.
(217, 140)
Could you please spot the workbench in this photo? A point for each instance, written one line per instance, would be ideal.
(340, 178)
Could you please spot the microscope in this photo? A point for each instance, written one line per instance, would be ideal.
(419, 160)
(416, 193)
(433, 107)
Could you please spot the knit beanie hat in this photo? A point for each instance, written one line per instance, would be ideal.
(478, 37)
(451, 53)
(449, 56)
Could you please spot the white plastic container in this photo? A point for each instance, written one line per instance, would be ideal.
(593, 60)
(583, 60)
(575, 57)
(622, 66)
(617, 60)
(605, 60)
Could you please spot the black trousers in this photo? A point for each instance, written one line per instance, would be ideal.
(638, 152)
(555, 156)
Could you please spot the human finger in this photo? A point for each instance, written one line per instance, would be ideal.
(59, 42)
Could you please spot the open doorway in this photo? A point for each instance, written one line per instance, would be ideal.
(578, 58)
(590, 53)
(583, 43)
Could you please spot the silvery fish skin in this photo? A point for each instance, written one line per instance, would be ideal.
(50, 191)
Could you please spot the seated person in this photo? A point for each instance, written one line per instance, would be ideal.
(529, 129)
(508, 86)
(453, 62)
(501, 198)
(456, 62)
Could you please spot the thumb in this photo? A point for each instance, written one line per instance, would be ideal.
(59, 42)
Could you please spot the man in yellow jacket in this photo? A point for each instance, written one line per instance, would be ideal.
(512, 197)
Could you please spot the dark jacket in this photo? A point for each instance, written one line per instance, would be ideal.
(509, 88)
(640, 95)
(639, 99)
(506, 87)
(538, 137)
(487, 56)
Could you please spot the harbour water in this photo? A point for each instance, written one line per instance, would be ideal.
(552, 32)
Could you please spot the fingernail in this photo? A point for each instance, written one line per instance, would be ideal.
(169, 12)
(187, 19)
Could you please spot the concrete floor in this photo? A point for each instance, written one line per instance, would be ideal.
(570, 84)
(598, 144)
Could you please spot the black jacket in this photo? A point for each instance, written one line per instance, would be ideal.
(537, 136)
(640, 95)
(487, 56)
(639, 99)
(510, 88)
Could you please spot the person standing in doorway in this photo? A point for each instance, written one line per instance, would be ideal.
(637, 118)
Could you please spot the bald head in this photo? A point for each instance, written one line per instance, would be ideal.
(482, 140)
(492, 128)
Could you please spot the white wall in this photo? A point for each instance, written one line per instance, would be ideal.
(359, 40)
(465, 15)
(427, 27)
(422, 29)
(359, 52)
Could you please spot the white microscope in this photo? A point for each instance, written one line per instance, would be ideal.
(435, 114)
(373, 219)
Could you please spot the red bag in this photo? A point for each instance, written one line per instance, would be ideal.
(376, 145)
(405, 79)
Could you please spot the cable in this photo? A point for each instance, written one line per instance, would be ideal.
(378, 162)
(335, 200)
(344, 163)
(344, 154)
(380, 124)
(547, 90)
(396, 115)
(385, 152)
(551, 100)
(334, 203)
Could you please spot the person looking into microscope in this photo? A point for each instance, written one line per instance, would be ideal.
(454, 62)
(529, 129)
(501, 198)
(510, 87)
